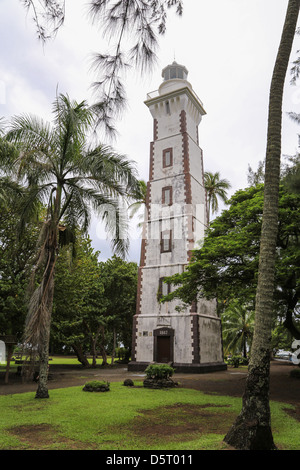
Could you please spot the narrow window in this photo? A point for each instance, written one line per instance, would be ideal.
(167, 157)
(168, 111)
(179, 73)
(166, 241)
(164, 289)
(167, 196)
(173, 73)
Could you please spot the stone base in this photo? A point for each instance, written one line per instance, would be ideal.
(183, 368)
(159, 383)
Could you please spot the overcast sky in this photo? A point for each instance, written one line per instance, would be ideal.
(228, 46)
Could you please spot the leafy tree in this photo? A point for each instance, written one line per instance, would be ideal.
(216, 188)
(94, 301)
(79, 303)
(226, 267)
(258, 176)
(120, 289)
(60, 168)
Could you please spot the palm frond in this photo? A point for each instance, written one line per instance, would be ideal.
(294, 117)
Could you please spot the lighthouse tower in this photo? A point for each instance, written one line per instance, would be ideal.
(175, 219)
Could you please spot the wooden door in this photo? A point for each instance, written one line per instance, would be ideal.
(163, 349)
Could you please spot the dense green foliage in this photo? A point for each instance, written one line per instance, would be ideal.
(96, 386)
(226, 267)
(94, 302)
(159, 371)
(16, 259)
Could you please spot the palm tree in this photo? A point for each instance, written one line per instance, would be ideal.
(237, 328)
(72, 177)
(215, 188)
(140, 201)
(252, 428)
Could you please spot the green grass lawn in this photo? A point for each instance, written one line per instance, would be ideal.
(128, 418)
(62, 360)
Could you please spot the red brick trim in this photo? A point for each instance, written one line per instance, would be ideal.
(206, 213)
(186, 158)
(155, 129)
(134, 339)
(187, 177)
(195, 338)
(151, 164)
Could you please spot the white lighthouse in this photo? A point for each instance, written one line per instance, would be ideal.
(175, 220)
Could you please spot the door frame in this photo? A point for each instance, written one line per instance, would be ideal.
(165, 332)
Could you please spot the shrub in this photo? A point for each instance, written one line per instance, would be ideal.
(96, 386)
(237, 361)
(159, 371)
(128, 383)
(123, 354)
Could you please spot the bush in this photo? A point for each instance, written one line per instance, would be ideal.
(159, 371)
(237, 361)
(295, 373)
(122, 354)
(96, 386)
(128, 383)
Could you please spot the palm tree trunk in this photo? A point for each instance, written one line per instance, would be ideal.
(48, 294)
(46, 304)
(252, 429)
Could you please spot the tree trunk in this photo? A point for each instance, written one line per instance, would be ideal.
(104, 355)
(252, 429)
(114, 346)
(10, 350)
(102, 347)
(42, 390)
(46, 305)
(94, 352)
(80, 355)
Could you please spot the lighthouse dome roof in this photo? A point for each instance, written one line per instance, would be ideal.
(173, 71)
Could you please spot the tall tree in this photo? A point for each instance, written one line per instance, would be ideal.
(59, 167)
(216, 188)
(121, 277)
(252, 429)
(79, 303)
